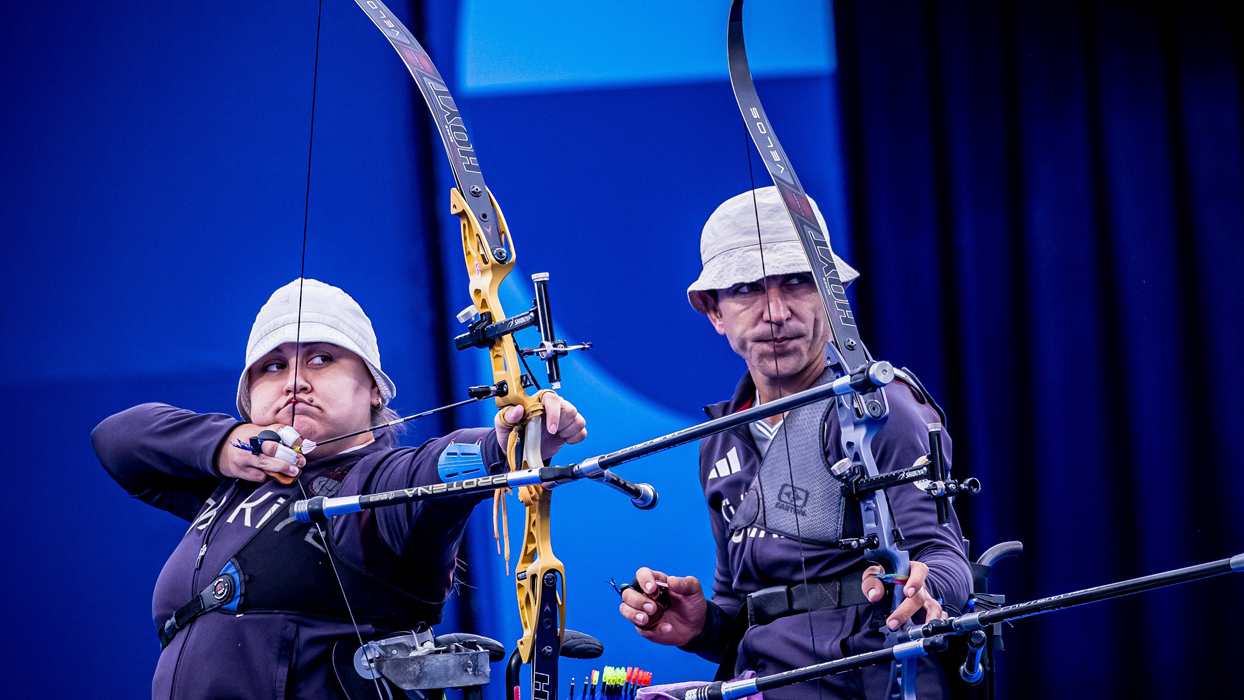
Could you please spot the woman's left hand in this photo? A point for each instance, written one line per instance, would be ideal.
(562, 424)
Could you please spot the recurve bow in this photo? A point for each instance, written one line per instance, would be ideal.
(859, 417)
(489, 253)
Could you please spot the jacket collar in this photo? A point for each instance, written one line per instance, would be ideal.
(335, 468)
(744, 395)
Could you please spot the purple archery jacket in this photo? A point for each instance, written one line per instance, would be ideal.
(165, 457)
(754, 559)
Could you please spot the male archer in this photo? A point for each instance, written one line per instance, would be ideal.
(777, 513)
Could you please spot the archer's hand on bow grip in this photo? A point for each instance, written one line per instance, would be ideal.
(563, 424)
(915, 594)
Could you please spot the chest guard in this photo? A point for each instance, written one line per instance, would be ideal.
(815, 510)
(287, 567)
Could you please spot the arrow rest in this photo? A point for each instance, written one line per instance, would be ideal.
(929, 473)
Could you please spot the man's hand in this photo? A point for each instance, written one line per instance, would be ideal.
(233, 463)
(915, 595)
(678, 624)
(562, 424)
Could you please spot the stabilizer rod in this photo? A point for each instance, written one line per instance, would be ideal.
(321, 508)
(930, 637)
(865, 379)
(643, 496)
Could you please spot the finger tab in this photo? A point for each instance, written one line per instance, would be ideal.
(283, 478)
(286, 454)
(288, 435)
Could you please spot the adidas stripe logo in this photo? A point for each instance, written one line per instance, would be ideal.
(726, 467)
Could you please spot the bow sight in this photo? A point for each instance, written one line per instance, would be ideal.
(482, 332)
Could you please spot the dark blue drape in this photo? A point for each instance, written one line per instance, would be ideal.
(1046, 202)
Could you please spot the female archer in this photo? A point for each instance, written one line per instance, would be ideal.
(251, 602)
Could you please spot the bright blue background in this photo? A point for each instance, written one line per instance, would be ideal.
(1045, 200)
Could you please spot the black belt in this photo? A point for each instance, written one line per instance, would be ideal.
(769, 604)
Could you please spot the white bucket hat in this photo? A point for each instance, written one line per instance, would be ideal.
(329, 315)
(730, 251)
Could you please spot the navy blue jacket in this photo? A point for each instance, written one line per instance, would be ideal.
(754, 559)
(165, 456)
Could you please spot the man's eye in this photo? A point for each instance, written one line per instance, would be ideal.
(795, 280)
(748, 288)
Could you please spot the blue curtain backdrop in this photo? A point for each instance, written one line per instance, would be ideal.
(1048, 199)
(1045, 200)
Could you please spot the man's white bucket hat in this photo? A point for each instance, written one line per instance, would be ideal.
(730, 250)
(329, 315)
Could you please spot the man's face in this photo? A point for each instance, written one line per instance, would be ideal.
(333, 395)
(777, 325)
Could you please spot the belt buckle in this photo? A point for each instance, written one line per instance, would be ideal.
(768, 604)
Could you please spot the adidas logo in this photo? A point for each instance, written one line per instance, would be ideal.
(726, 467)
(754, 532)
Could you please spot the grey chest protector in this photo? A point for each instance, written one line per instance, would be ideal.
(815, 510)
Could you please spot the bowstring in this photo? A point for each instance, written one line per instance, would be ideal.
(790, 469)
(302, 270)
